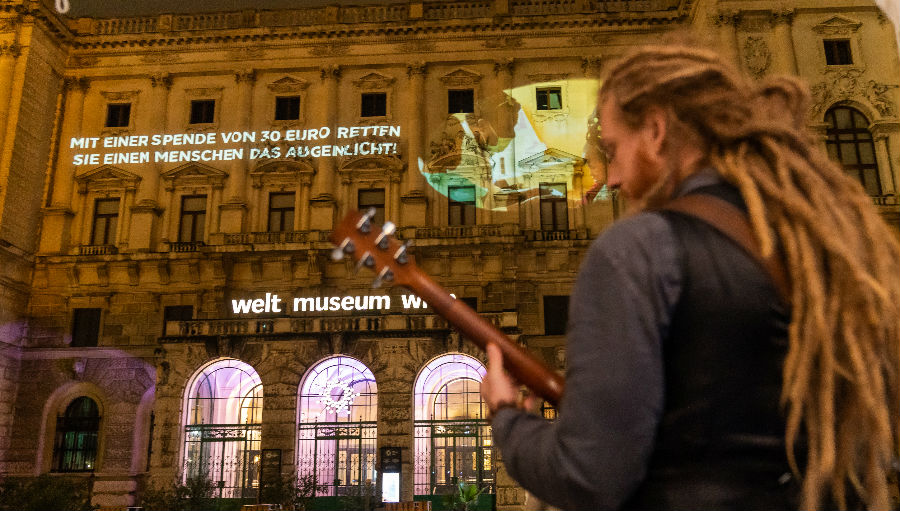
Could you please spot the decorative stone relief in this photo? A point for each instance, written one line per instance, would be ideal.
(373, 81)
(83, 60)
(837, 26)
(332, 49)
(502, 42)
(246, 53)
(461, 78)
(287, 85)
(547, 77)
(126, 95)
(161, 58)
(757, 56)
(417, 47)
(843, 84)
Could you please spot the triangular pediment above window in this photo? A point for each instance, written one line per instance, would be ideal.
(107, 177)
(838, 25)
(371, 163)
(373, 81)
(461, 78)
(194, 174)
(550, 158)
(282, 172)
(288, 84)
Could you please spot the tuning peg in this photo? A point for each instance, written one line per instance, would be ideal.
(365, 222)
(388, 228)
(366, 260)
(400, 255)
(337, 254)
(347, 246)
(385, 275)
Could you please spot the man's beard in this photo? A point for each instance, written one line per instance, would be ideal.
(652, 185)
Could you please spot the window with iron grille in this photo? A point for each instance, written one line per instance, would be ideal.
(203, 111)
(554, 207)
(556, 313)
(549, 98)
(106, 216)
(374, 104)
(372, 198)
(75, 448)
(281, 211)
(287, 108)
(461, 205)
(837, 52)
(85, 327)
(118, 115)
(850, 143)
(460, 101)
(193, 218)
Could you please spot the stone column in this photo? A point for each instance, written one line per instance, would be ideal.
(145, 212)
(886, 172)
(727, 22)
(57, 220)
(784, 58)
(393, 198)
(234, 209)
(9, 52)
(413, 184)
(325, 183)
(301, 220)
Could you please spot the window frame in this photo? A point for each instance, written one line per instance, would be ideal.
(92, 338)
(457, 90)
(283, 212)
(109, 107)
(109, 238)
(833, 141)
(829, 52)
(464, 208)
(195, 214)
(199, 101)
(555, 224)
(296, 97)
(379, 208)
(548, 90)
(362, 103)
(65, 425)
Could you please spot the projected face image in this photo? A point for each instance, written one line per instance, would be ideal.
(529, 142)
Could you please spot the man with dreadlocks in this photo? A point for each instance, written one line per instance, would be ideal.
(696, 378)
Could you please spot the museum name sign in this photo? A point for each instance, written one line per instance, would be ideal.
(272, 303)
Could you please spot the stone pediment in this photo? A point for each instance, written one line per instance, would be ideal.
(106, 177)
(458, 162)
(550, 158)
(282, 172)
(838, 25)
(194, 174)
(373, 81)
(461, 78)
(288, 84)
(371, 163)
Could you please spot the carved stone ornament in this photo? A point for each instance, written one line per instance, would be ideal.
(726, 18)
(161, 58)
(503, 42)
(106, 178)
(417, 47)
(126, 95)
(245, 76)
(193, 175)
(254, 52)
(10, 48)
(757, 56)
(416, 69)
(589, 40)
(591, 65)
(373, 81)
(332, 49)
(460, 78)
(837, 26)
(83, 60)
(844, 84)
(288, 84)
(332, 72)
(505, 65)
(161, 80)
(203, 92)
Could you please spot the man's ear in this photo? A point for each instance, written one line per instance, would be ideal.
(656, 125)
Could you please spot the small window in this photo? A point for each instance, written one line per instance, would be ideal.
(374, 104)
(177, 313)
(471, 301)
(461, 101)
(75, 449)
(462, 205)
(118, 115)
(554, 207)
(106, 216)
(193, 218)
(281, 212)
(556, 313)
(373, 198)
(837, 52)
(549, 98)
(85, 327)
(287, 108)
(203, 111)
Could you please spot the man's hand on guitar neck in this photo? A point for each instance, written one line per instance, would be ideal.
(498, 389)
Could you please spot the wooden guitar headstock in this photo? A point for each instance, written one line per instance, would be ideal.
(373, 246)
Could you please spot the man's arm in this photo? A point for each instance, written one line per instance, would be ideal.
(596, 453)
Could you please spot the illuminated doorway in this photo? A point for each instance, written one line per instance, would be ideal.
(223, 428)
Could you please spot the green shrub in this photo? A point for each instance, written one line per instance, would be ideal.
(291, 492)
(44, 493)
(196, 494)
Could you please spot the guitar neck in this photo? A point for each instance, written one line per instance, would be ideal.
(524, 367)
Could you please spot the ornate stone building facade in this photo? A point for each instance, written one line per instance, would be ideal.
(130, 346)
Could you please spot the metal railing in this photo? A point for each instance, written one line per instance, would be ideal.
(97, 250)
(185, 246)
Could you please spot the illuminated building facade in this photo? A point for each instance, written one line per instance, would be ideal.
(169, 307)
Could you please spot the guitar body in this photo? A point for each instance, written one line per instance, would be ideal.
(374, 247)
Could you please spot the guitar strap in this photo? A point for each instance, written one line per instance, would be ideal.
(734, 224)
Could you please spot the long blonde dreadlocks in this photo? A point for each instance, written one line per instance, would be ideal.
(840, 378)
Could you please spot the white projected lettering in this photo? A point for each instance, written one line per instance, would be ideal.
(272, 303)
(323, 142)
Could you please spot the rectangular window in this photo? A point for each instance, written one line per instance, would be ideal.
(203, 111)
(471, 301)
(462, 205)
(372, 198)
(85, 327)
(554, 207)
(556, 313)
(461, 101)
(118, 115)
(837, 52)
(106, 216)
(177, 313)
(287, 108)
(549, 98)
(193, 218)
(281, 212)
(374, 104)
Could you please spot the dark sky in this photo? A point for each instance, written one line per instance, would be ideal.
(102, 8)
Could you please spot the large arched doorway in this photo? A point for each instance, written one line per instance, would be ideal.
(452, 433)
(223, 427)
(850, 143)
(336, 427)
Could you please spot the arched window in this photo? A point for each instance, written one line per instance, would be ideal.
(337, 425)
(849, 142)
(223, 426)
(453, 437)
(75, 449)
